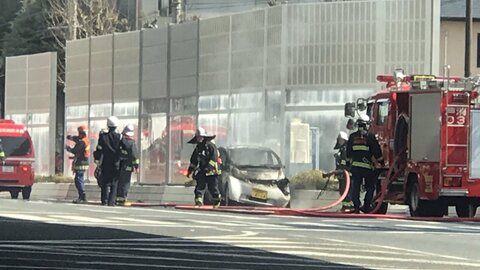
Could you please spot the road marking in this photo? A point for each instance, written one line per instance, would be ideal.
(83, 219)
(403, 250)
(216, 223)
(145, 221)
(420, 226)
(28, 217)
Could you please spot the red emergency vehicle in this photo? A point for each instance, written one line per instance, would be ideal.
(16, 168)
(429, 131)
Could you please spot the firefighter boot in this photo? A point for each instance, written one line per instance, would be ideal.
(217, 202)
(120, 201)
(198, 201)
(81, 199)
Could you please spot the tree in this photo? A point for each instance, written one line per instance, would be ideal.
(77, 19)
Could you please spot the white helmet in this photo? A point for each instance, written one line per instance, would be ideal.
(112, 122)
(342, 135)
(128, 130)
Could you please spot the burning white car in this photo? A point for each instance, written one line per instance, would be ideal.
(253, 175)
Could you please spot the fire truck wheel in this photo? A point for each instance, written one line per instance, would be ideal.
(14, 193)
(26, 192)
(416, 205)
(465, 209)
(423, 208)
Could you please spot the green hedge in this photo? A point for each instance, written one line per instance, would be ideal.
(53, 179)
(313, 180)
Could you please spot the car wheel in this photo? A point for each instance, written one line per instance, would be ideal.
(14, 193)
(26, 192)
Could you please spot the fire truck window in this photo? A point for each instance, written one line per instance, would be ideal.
(15, 146)
(382, 113)
(369, 109)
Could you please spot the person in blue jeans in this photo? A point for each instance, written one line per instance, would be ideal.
(81, 153)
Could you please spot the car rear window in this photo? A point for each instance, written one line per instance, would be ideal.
(15, 146)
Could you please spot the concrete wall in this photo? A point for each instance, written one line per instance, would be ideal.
(30, 98)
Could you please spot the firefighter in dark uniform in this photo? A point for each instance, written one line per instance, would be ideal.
(204, 167)
(81, 154)
(341, 164)
(128, 163)
(107, 156)
(366, 155)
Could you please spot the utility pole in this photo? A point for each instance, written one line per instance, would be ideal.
(468, 36)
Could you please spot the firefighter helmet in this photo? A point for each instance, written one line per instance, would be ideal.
(341, 135)
(82, 129)
(128, 130)
(200, 132)
(112, 122)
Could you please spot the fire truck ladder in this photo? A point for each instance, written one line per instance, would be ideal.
(455, 121)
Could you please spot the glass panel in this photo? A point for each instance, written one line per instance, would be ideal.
(215, 124)
(209, 103)
(324, 97)
(157, 105)
(246, 100)
(125, 109)
(182, 129)
(17, 118)
(39, 118)
(80, 111)
(247, 128)
(101, 110)
(154, 145)
(185, 104)
(39, 137)
(319, 153)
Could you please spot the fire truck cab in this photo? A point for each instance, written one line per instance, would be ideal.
(16, 168)
(429, 132)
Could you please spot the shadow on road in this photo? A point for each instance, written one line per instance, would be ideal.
(36, 245)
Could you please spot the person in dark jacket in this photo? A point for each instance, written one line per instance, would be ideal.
(204, 166)
(81, 153)
(128, 163)
(107, 156)
(366, 155)
(342, 163)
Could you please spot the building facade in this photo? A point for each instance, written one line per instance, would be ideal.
(277, 77)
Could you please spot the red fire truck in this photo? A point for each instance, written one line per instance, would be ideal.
(16, 168)
(429, 131)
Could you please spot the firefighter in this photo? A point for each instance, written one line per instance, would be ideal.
(341, 164)
(128, 163)
(204, 167)
(81, 153)
(366, 155)
(107, 156)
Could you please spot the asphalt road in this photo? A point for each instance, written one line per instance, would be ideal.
(45, 235)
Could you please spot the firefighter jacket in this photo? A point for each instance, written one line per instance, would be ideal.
(107, 152)
(81, 152)
(205, 160)
(361, 147)
(341, 160)
(128, 154)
